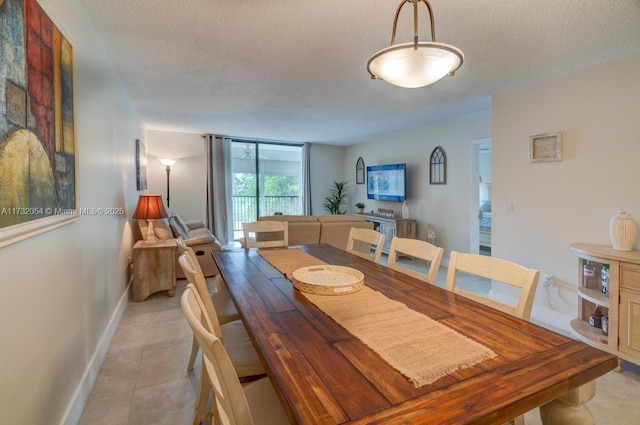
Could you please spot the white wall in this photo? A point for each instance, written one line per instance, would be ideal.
(61, 290)
(558, 203)
(187, 176)
(444, 206)
(327, 166)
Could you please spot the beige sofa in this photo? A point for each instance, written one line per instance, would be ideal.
(195, 235)
(327, 229)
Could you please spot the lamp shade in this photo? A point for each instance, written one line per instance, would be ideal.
(410, 66)
(167, 162)
(150, 207)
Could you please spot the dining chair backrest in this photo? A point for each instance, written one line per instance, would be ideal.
(181, 244)
(231, 403)
(182, 248)
(197, 280)
(276, 234)
(417, 249)
(495, 269)
(215, 281)
(360, 242)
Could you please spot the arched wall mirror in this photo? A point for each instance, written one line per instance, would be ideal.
(438, 166)
(360, 171)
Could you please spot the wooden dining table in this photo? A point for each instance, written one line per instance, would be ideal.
(325, 375)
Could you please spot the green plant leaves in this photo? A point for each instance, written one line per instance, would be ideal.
(337, 194)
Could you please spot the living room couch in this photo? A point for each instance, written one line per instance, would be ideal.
(327, 229)
(195, 235)
(303, 230)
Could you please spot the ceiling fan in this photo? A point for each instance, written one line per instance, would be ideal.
(247, 155)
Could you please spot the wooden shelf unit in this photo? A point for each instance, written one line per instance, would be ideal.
(393, 226)
(622, 306)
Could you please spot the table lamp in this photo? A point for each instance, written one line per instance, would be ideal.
(150, 207)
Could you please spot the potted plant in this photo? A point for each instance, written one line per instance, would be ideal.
(337, 194)
(360, 207)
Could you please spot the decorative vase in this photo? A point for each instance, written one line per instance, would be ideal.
(622, 230)
(405, 210)
(360, 210)
(431, 235)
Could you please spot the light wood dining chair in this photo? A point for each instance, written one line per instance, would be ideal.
(244, 356)
(223, 306)
(218, 290)
(233, 403)
(499, 270)
(361, 240)
(275, 234)
(216, 283)
(417, 249)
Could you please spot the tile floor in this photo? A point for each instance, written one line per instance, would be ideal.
(144, 379)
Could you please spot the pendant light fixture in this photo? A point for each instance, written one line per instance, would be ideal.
(418, 63)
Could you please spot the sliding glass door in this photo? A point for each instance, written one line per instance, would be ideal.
(266, 179)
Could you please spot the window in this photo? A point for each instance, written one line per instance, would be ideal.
(266, 179)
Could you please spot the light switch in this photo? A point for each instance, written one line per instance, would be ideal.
(508, 208)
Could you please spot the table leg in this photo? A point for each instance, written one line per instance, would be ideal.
(172, 290)
(570, 408)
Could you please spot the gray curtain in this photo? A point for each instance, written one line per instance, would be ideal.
(306, 178)
(216, 151)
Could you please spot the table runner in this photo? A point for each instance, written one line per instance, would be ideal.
(417, 346)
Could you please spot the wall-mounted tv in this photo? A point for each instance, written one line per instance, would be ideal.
(387, 182)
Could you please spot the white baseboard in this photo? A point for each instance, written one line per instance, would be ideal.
(80, 397)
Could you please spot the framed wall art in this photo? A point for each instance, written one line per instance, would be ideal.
(141, 166)
(38, 157)
(545, 147)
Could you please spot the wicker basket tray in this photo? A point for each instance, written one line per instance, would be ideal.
(328, 280)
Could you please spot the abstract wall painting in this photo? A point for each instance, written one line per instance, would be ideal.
(38, 158)
(141, 166)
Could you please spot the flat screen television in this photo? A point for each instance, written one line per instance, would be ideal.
(387, 182)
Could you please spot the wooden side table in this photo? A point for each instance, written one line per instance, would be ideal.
(154, 268)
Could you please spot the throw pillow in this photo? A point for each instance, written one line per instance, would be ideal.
(176, 230)
(184, 229)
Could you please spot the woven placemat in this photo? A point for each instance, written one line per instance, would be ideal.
(417, 346)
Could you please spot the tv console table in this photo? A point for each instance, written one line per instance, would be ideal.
(393, 226)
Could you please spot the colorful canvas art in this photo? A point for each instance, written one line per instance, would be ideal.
(37, 142)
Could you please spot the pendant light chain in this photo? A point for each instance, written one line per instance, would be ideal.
(415, 20)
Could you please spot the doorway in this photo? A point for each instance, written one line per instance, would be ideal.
(480, 172)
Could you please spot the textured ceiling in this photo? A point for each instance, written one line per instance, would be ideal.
(296, 70)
